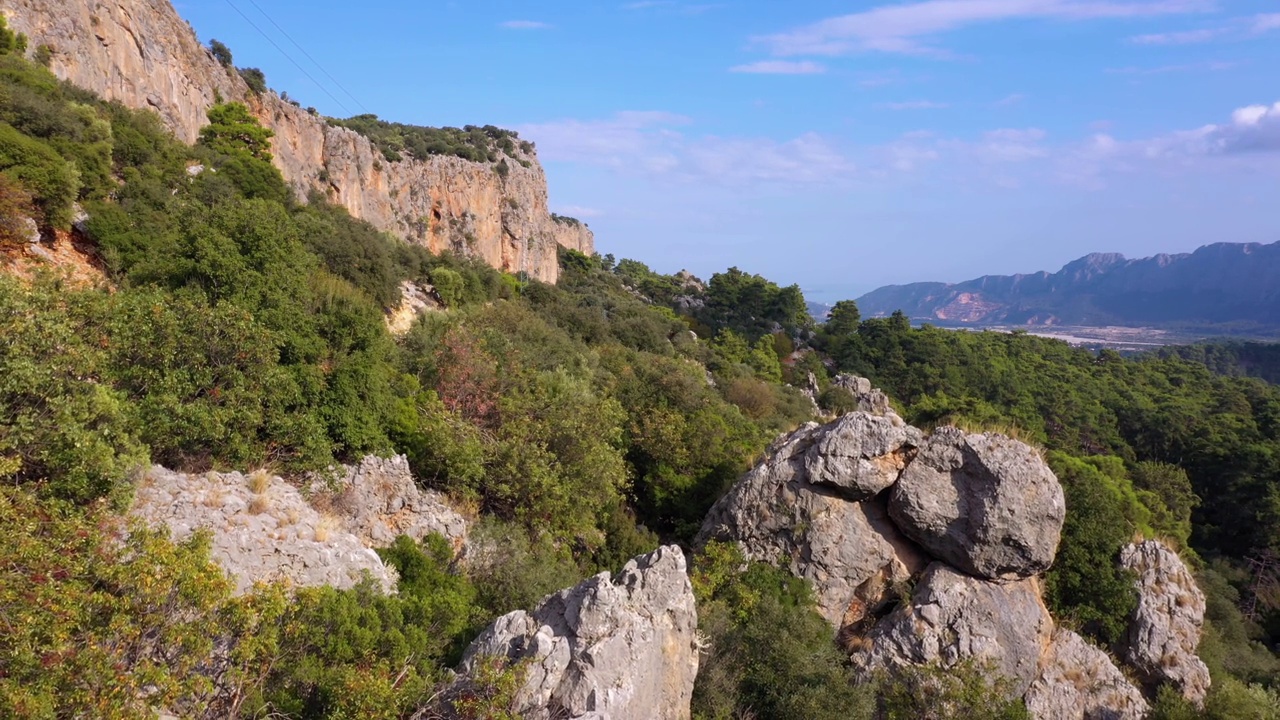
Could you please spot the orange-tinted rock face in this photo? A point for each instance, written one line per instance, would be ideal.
(141, 53)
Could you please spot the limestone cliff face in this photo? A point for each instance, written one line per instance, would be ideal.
(141, 53)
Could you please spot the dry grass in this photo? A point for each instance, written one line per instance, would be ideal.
(215, 497)
(259, 480)
(327, 525)
(259, 504)
(291, 516)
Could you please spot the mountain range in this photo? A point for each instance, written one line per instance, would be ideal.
(1225, 286)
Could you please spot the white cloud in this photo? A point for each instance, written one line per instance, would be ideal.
(526, 25)
(780, 67)
(1215, 66)
(1266, 23)
(650, 143)
(913, 105)
(578, 211)
(1187, 37)
(905, 28)
(1011, 100)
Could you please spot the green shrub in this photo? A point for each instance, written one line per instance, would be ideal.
(1086, 585)
(770, 654)
(221, 53)
(255, 79)
(962, 691)
(60, 426)
(52, 181)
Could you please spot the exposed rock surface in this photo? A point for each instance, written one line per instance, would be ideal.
(141, 53)
(985, 503)
(953, 618)
(1079, 682)
(871, 400)
(1165, 629)
(378, 501)
(622, 648)
(860, 454)
(414, 300)
(262, 529)
(777, 515)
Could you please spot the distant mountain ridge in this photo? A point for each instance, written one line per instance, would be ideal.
(1223, 284)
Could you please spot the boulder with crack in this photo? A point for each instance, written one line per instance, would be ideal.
(776, 514)
(1165, 629)
(1079, 682)
(985, 503)
(954, 618)
(623, 648)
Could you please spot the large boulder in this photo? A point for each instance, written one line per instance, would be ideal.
(985, 503)
(870, 400)
(1079, 682)
(624, 648)
(860, 455)
(954, 618)
(378, 501)
(850, 551)
(260, 527)
(1164, 631)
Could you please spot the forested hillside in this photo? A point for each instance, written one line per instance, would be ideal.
(577, 424)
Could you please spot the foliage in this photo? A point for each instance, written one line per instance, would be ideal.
(16, 208)
(221, 53)
(771, 654)
(100, 624)
(360, 653)
(1085, 584)
(752, 305)
(477, 144)
(59, 426)
(241, 148)
(53, 181)
(255, 79)
(964, 690)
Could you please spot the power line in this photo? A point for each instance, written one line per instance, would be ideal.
(304, 52)
(287, 55)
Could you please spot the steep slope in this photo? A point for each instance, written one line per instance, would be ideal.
(142, 54)
(1217, 284)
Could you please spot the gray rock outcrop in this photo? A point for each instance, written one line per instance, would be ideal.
(1079, 682)
(260, 527)
(987, 504)
(1165, 629)
(378, 500)
(871, 400)
(776, 515)
(860, 455)
(953, 618)
(622, 648)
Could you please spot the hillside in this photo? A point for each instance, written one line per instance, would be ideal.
(142, 54)
(229, 490)
(1224, 285)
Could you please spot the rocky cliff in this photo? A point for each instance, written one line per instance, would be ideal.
(928, 550)
(142, 54)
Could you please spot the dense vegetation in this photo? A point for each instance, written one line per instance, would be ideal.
(478, 144)
(584, 422)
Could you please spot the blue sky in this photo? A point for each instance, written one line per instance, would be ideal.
(837, 145)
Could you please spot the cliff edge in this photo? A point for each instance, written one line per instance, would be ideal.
(142, 54)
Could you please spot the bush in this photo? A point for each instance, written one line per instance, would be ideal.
(255, 79)
(52, 181)
(962, 691)
(112, 625)
(771, 655)
(60, 426)
(221, 53)
(1086, 585)
(17, 210)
